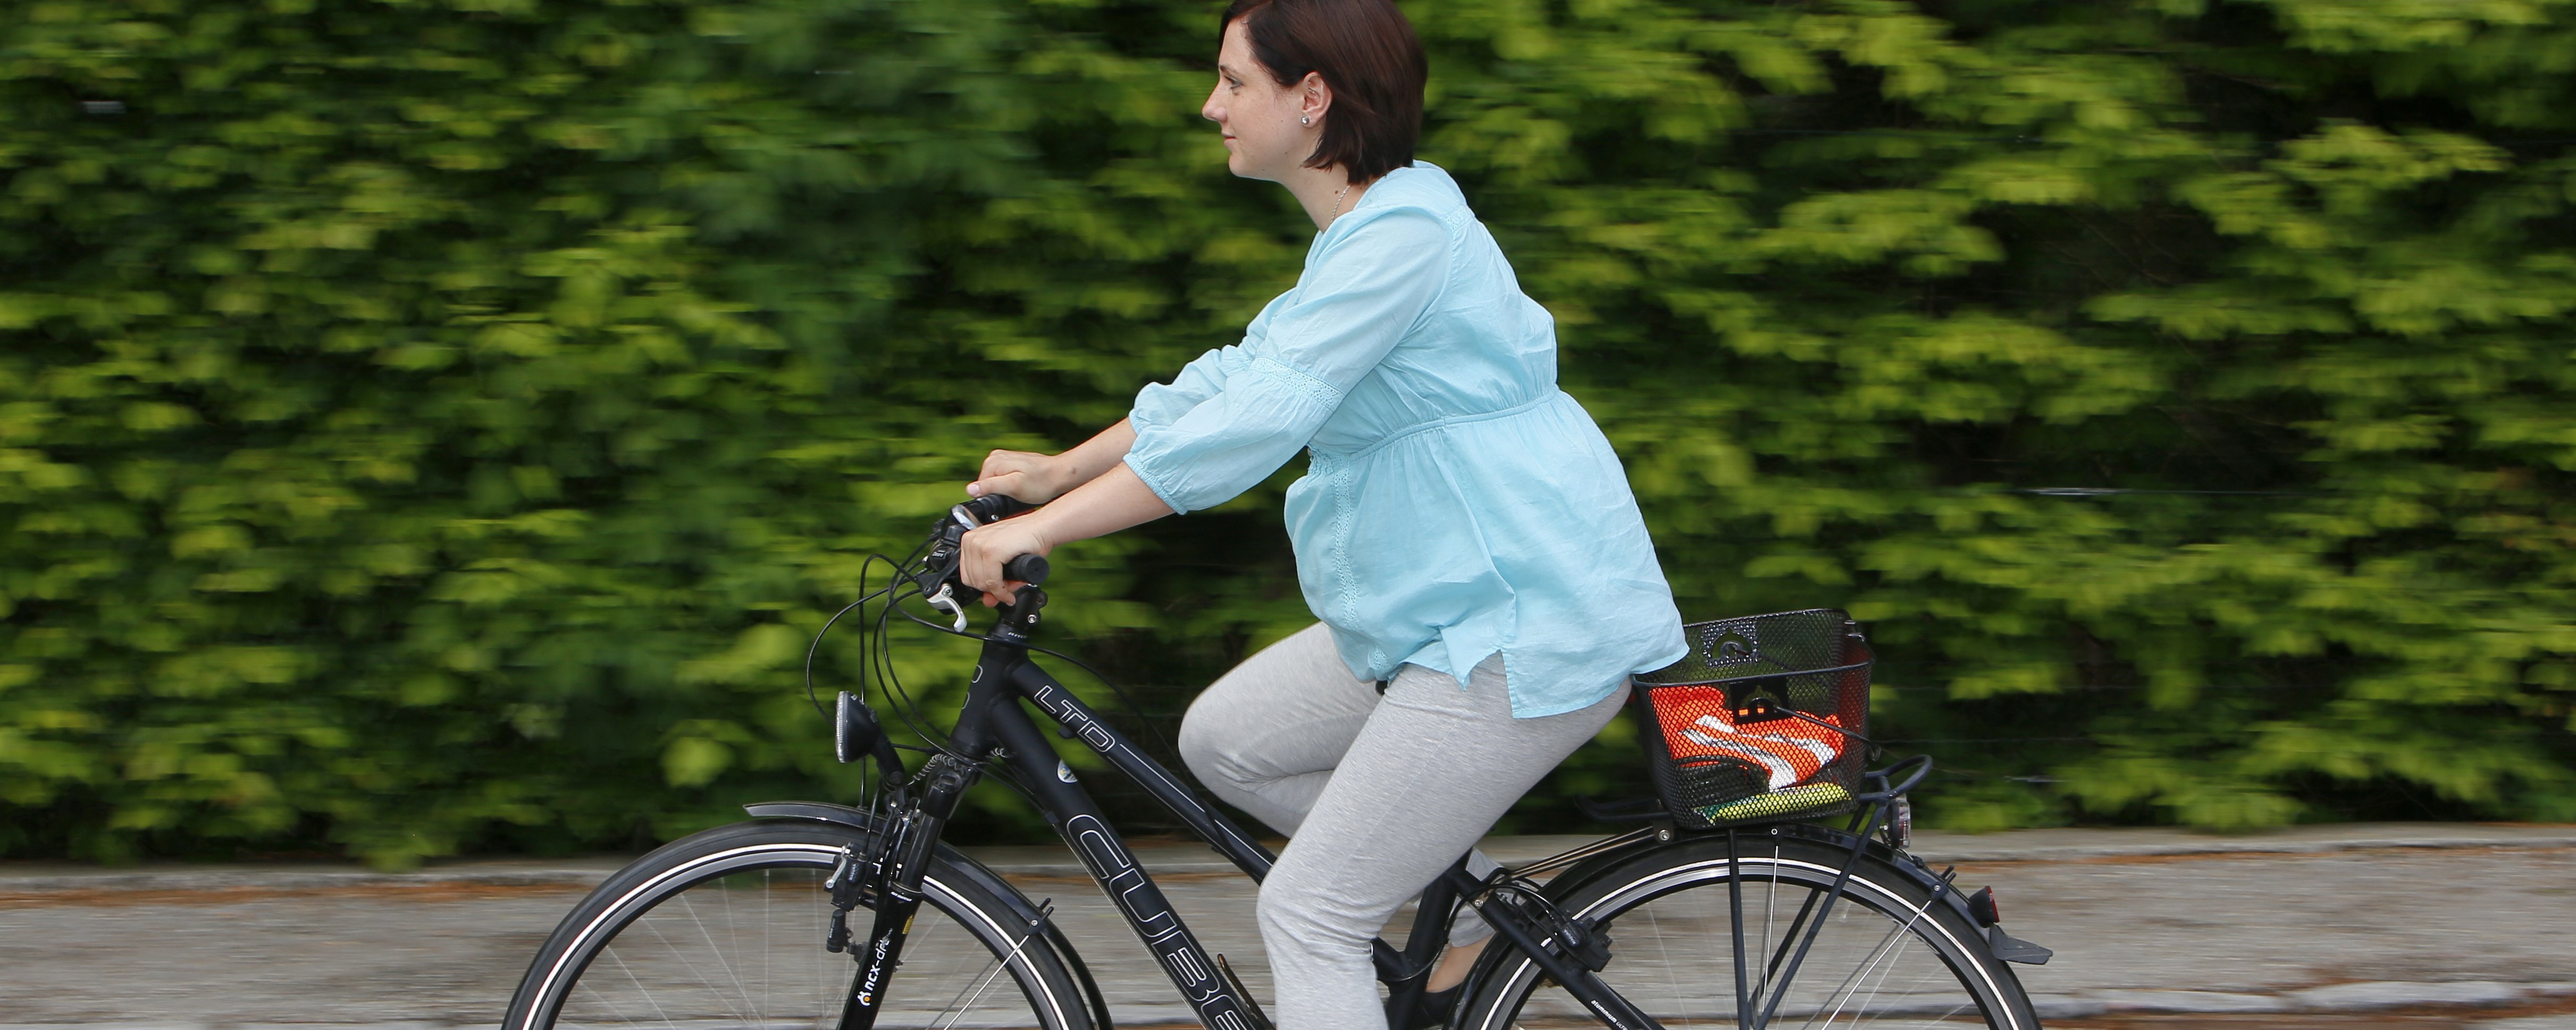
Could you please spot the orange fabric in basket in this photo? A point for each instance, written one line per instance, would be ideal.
(1698, 724)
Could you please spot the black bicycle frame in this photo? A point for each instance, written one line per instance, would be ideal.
(991, 725)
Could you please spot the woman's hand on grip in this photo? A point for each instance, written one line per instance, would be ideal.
(1089, 491)
(985, 549)
(1027, 475)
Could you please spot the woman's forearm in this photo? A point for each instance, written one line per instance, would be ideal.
(1039, 478)
(1104, 451)
(1111, 501)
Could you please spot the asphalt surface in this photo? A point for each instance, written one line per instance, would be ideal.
(2349, 927)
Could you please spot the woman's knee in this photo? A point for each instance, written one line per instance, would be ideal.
(1225, 727)
(1289, 908)
(1207, 742)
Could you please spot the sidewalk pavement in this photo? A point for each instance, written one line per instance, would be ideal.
(2414, 925)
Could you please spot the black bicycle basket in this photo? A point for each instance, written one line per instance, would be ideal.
(1766, 719)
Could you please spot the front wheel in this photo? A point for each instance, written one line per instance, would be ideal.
(1885, 955)
(726, 928)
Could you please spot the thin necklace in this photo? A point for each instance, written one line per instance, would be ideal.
(1337, 204)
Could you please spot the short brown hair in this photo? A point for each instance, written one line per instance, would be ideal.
(1367, 51)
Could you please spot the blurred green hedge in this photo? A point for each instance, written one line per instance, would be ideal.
(438, 425)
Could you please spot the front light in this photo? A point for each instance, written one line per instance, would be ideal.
(854, 728)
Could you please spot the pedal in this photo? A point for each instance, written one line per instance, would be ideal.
(1251, 1008)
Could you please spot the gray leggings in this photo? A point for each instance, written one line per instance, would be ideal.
(1377, 795)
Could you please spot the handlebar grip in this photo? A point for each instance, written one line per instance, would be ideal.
(996, 506)
(1027, 568)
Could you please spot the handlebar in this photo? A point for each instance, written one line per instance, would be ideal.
(995, 506)
(990, 508)
(1027, 568)
(938, 575)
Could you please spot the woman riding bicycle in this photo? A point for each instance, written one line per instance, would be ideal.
(1463, 531)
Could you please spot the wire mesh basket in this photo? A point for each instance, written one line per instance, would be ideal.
(1766, 719)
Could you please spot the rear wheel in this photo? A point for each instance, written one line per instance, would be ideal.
(1885, 955)
(726, 928)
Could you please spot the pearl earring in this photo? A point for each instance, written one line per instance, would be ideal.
(1305, 120)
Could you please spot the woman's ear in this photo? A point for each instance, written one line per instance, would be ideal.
(1314, 97)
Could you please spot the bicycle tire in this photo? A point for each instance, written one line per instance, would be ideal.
(1887, 954)
(727, 927)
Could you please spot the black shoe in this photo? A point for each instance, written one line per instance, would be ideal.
(1433, 1009)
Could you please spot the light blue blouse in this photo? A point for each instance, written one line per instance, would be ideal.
(1456, 504)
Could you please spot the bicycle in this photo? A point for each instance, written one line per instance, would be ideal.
(808, 915)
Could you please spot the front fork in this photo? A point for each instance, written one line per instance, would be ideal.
(901, 864)
(905, 856)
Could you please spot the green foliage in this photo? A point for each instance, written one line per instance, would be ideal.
(439, 424)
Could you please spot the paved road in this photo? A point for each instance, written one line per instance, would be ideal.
(2389, 926)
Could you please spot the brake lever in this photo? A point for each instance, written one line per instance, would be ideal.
(942, 564)
(946, 600)
(937, 570)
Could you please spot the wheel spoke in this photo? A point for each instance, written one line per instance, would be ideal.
(991, 970)
(720, 955)
(1841, 995)
(641, 989)
(1770, 910)
(679, 956)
